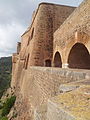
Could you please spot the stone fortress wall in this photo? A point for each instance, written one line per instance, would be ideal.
(58, 37)
(74, 33)
(38, 40)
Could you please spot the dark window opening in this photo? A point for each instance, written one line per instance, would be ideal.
(79, 57)
(31, 36)
(28, 41)
(48, 63)
(26, 62)
(57, 60)
(32, 33)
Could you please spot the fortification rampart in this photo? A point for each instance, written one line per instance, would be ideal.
(37, 42)
(37, 84)
(53, 40)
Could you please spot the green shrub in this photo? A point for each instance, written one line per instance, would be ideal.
(8, 105)
(1, 105)
(4, 118)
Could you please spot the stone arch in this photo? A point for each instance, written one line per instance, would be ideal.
(48, 63)
(79, 57)
(57, 60)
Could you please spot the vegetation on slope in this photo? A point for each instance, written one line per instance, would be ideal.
(5, 78)
(6, 107)
(5, 73)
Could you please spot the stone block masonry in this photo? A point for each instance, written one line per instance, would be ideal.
(57, 39)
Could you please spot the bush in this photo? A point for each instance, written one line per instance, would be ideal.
(8, 105)
(4, 118)
(1, 105)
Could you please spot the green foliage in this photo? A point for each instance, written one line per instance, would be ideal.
(8, 105)
(1, 105)
(5, 73)
(4, 118)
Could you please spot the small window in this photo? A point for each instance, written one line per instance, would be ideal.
(32, 33)
(48, 63)
(30, 37)
(28, 41)
(26, 62)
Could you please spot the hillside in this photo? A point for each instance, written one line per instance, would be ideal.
(5, 73)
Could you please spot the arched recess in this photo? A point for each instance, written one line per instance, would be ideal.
(48, 63)
(79, 57)
(57, 60)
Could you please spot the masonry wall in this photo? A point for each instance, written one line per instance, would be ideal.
(38, 84)
(47, 19)
(74, 30)
(37, 42)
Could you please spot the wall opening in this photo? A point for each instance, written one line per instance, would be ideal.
(26, 62)
(18, 47)
(57, 60)
(32, 33)
(48, 63)
(30, 37)
(79, 57)
(28, 41)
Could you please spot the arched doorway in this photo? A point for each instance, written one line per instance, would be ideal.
(48, 63)
(57, 60)
(79, 57)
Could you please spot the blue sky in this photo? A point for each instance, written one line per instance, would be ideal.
(15, 17)
(64, 2)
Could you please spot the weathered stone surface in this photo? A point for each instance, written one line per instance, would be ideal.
(40, 113)
(67, 88)
(73, 105)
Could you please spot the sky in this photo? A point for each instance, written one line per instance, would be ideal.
(15, 17)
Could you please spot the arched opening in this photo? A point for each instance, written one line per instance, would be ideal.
(48, 63)
(79, 57)
(57, 60)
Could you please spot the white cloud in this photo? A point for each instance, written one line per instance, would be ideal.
(9, 36)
